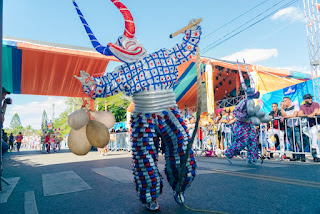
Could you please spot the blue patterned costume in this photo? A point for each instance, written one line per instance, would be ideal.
(244, 134)
(156, 72)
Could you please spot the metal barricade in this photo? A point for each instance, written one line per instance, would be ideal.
(121, 141)
(295, 139)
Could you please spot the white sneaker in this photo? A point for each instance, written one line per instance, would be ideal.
(179, 198)
(153, 206)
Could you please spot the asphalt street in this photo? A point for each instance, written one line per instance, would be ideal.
(66, 183)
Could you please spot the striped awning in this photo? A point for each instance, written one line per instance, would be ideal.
(48, 69)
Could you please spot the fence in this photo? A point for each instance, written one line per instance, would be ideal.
(297, 136)
(121, 142)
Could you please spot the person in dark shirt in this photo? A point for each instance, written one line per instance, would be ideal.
(11, 141)
(276, 128)
(309, 109)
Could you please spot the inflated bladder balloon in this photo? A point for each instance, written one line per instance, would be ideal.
(78, 143)
(104, 117)
(260, 114)
(257, 109)
(266, 119)
(78, 119)
(256, 121)
(250, 107)
(97, 134)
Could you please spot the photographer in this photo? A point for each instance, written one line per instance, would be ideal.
(5, 101)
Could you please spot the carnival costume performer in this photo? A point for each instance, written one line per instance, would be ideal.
(52, 141)
(150, 79)
(248, 116)
(58, 139)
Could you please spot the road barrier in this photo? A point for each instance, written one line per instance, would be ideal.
(121, 142)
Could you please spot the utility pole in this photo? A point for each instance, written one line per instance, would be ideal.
(311, 12)
(53, 104)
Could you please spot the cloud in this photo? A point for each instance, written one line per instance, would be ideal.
(31, 113)
(303, 69)
(252, 55)
(288, 14)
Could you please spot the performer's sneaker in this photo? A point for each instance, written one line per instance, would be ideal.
(153, 206)
(179, 198)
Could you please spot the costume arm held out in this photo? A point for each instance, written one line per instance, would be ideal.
(156, 71)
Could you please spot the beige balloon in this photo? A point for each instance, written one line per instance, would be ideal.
(78, 119)
(104, 117)
(78, 143)
(97, 134)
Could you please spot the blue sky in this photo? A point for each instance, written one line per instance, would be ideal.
(279, 41)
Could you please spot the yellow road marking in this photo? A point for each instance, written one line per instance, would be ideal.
(269, 178)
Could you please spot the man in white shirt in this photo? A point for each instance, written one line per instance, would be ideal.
(275, 129)
(293, 128)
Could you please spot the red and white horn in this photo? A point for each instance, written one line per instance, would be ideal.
(129, 23)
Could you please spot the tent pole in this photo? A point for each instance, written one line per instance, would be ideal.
(1, 21)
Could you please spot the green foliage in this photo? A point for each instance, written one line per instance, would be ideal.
(26, 131)
(61, 123)
(116, 104)
(15, 124)
(44, 116)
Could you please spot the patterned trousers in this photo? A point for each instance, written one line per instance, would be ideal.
(244, 136)
(147, 132)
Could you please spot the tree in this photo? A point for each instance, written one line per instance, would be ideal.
(28, 131)
(44, 121)
(15, 124)
(116, 104)
(44, 117)
(61, 122)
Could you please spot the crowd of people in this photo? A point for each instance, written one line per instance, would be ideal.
(51, 140)
(293, 129)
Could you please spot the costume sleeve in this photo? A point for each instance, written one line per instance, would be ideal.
(183, 52)
(240, 111)
(109, 84)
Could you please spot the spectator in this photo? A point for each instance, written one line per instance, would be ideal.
(4, 101)
(19, 138)
(228, 129)
(120, 130)
(5, 140)
(309, 109)
(11, 141)
(210, 139)
(293, 128)
(191, 127)
(219, 133)
(200, 138)
(223, 121)
(275, 129)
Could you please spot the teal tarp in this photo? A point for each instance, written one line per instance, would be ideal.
(295, 92)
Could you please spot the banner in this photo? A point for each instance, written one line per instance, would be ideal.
(209, 88)
(289, 90)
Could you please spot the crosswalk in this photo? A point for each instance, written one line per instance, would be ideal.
(72, 182)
